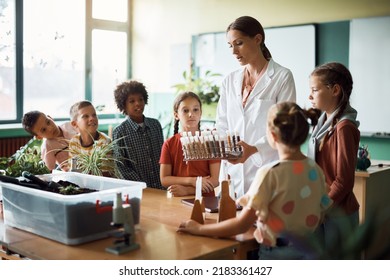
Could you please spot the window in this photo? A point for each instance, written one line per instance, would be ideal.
(7, 60)
(70, 50)
(109, 30)
(109, 69)
(117, 10)
(53, 59)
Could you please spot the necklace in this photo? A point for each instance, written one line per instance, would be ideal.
(248, 86)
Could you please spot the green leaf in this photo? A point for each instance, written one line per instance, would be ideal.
(204, 86)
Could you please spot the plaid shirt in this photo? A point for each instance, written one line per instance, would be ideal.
(138, 150)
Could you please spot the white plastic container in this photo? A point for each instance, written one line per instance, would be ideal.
(69, 219)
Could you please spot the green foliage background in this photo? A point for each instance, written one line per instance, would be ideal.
(27, 158)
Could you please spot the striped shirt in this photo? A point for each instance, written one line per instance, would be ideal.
(138, 148)
(76, 148)
(101, 158)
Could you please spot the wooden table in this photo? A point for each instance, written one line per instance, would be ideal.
(372, 190)
(157, 236)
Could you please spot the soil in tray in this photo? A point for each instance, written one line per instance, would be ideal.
(69, 188)
(82, 219)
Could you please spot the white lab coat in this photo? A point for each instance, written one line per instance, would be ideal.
(276, 85)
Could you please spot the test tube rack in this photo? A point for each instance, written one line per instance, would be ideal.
(210, 145)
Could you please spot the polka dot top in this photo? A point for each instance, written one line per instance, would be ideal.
(288, 197)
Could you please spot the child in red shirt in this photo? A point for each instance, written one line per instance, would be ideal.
(177, 175)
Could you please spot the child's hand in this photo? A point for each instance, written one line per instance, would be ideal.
(189, 226)
(207, 185)
(180, 190)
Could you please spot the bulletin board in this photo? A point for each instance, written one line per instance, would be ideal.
(369, 63)
(292, 47)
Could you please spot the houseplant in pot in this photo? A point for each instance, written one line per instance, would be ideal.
(27, 158)
(99, 160)
(363, 158)
(205, 87)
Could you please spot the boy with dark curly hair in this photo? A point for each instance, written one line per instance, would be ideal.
(139, 138)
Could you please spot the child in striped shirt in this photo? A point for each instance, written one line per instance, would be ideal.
(89, 139)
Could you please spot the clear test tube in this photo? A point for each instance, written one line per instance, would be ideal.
(198, 147)
(238, 138)
(192, 147)
(184, 147)
(222, 142)
(217, 146)
(229, 147)
(212, 146)
(189, 148)
(205, 143)
(205, 148)
(234, 142)
(202, 147)
(184, 134)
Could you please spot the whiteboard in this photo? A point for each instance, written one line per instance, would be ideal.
(369, 63)
(292, 47)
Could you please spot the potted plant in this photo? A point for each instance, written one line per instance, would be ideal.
(99, 161)
(205, 87)
(363, 158)
(27, 158)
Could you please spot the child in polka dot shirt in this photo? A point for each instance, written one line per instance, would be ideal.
(287, 198)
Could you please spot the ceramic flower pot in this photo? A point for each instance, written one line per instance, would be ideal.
(363, 164)
(363, 160)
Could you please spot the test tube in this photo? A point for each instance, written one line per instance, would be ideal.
(217, 146)
(185, 148)
(205, 147)
(202, 147)
(189, 148)
(222, 142)
(193, 147)
(229, 147)
(234, 142)
(198, 147)
(212, 146)
(239, 148)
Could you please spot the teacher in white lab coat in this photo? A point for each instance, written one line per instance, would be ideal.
(245, 97)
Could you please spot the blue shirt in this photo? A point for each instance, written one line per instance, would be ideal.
(138, 151)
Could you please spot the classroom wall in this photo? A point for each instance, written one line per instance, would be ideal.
(333, 45)
(160, 25)
(378, 148)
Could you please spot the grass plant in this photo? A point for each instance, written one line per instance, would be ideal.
(99, 161)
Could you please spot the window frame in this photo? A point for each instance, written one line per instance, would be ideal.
(90, 25)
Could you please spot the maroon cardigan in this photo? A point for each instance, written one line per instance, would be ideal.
(338, 158)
